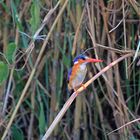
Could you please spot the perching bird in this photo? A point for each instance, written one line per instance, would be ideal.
(78, 72)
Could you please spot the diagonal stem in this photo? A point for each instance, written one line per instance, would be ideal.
(74, 95)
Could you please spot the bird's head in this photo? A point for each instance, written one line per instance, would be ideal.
(83, 59)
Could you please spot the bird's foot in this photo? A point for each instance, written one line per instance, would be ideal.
(82, 85)
(76, 89)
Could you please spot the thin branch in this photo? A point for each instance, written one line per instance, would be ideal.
(124, 126)
(7, 92)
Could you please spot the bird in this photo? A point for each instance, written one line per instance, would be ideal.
(77, 73)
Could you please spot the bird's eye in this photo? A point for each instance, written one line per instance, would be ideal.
(83, 58)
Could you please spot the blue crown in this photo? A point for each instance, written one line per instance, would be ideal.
(81, 56)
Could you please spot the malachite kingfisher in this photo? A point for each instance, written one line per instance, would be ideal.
(77, 73)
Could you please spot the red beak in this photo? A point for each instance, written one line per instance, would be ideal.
(93, 60)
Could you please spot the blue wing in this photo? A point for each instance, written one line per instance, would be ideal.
(69, 73)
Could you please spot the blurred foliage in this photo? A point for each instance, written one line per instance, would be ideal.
(3, 72)
(10, 52)
(35, 16)
(17, 133)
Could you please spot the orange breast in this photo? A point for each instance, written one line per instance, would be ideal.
(77, 76)
(75, 69)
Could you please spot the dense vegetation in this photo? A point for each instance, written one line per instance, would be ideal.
(38, 41)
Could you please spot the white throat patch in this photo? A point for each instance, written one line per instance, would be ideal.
(83, 66)
(76, 62)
